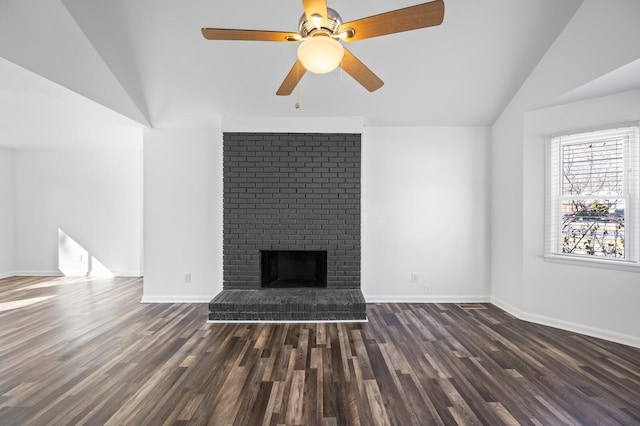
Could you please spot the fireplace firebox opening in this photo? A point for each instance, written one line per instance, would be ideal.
(293, 268)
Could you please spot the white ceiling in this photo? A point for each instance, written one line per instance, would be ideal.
(38, 114)
(623, 79)
(146, 60)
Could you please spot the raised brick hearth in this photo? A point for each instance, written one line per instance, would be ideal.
(288, 305)
(290, 192)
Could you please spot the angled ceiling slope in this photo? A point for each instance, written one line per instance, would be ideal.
(462, 72)
(44, 38)
(623, 79)
(147, 60)
(38, 114)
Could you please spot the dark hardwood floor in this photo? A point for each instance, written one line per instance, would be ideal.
(84, 351)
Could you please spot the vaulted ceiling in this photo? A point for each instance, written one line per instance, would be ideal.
(67, 62)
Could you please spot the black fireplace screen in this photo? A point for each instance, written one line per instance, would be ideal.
(293, 268)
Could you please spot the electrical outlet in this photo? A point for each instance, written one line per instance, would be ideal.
(187, 277)
(414, 277)
(427, 289)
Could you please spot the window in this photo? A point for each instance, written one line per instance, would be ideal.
(593, 194)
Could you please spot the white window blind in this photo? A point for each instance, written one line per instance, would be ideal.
(593, 195)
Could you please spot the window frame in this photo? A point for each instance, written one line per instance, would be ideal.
(631, 196)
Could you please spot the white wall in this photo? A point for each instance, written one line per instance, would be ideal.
(183, 202)
(7, 217)
(93, 196)
(506, 210)
(424, 201)
(425, 210)
(601, 38)
(592, 300)
(182, 214)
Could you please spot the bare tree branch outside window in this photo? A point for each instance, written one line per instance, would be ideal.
(593, 205)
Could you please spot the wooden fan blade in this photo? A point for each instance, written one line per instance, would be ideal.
(252, 35)
(315, 7)
(291, 80)
(360, 72)
(407, 19)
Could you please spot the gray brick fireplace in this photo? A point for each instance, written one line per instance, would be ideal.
(291, 220)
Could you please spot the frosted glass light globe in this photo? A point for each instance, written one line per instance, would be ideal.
(320, 54)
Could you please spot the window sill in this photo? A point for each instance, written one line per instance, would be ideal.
(620, 265)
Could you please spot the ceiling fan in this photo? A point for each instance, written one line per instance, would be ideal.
(319, 31)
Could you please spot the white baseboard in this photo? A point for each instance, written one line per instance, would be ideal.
(7, 275)
(426, 298)
(176, 299)
(128, 274)
(599, 333)
(60, 274)
(38, 274)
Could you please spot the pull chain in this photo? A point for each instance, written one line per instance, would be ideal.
(297, 86)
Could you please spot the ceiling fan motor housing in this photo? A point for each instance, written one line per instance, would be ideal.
(308, 28)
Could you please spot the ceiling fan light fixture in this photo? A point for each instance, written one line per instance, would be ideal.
(317, 20)
(320, 54)
(346, 33)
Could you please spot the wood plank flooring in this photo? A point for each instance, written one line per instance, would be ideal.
(85, 351)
